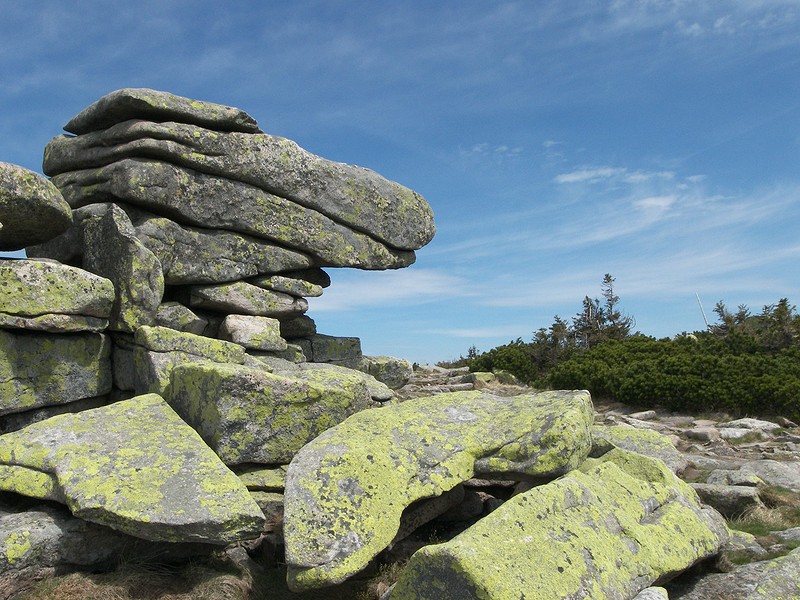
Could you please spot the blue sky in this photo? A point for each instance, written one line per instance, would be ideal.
(656, 140)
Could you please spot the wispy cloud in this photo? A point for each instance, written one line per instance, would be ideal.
(355, 290)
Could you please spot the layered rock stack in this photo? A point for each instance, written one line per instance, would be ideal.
(162, 385)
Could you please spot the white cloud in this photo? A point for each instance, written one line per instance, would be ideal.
(590, 174)
(355, 290)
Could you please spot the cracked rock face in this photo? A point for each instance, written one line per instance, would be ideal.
(346, 489)
(608, 530)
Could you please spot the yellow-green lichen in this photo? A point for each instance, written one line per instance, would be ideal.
(346, 489)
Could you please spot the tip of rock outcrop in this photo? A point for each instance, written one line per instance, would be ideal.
(143, 103)
(32, 210)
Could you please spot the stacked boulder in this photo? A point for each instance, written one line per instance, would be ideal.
(162, 382)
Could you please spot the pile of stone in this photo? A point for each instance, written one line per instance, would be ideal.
(164, 392)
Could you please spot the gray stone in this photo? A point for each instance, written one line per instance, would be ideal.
(135, 467)
(256, 333)
(298, 327)
(250, 416)
(644, 441)
(748, 423)
(175, 315)
(32, 209)
(314, 275)
(53, 323)
(46, 537)
(703, 434)
(16, 421)
(394, 372)
(260, 478)
(32, 288)
(68, 247)
(733, 477)
(645, 415)
(288, 285)
(113, 251)
(732, 501)
(39, 369)
(609, 530)
(214, 202)
(190, 255)
(378, 390)
(652, 593)
(355, 196)
(328, 348)
(788, 535)
(241, 297)
(159, 350)
(346, 489)
(785, 474)
(143, 103)
(735, 433)
(776, 579)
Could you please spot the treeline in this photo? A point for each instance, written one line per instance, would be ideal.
(744, 363)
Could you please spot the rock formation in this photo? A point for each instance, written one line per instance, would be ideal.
(163, 389)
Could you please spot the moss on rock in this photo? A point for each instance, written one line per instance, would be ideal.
(346, 490)
(608, 530)
(133, 466)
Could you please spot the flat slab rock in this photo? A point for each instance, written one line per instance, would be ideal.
(348, 194)
(32, 209)
(135, 467)
(251, 416)
(608, 530)
(346, 489)
(33, 288)
(136, 103)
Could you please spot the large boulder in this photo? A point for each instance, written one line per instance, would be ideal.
(775, 579)
(240, 297)
(355, 196)
(608, 530)
(644, 441)
(134, 466)
(32, 209)
(39, 369)
(251, 416)
(346, 489)
(33, 288)
(113, 251)
(137, 103)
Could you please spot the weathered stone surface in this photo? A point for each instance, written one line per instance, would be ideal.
(732, 501)
(644, 441)
(135, 467)
(218, 203)
(346, 490)
(37, 369)
(652, 593)
(378, 390)
(15, 421)
(31, 288)
(241, 297)
(314, 275)
(113, 251)
(300, 326)
(175, 315)
(68, 247)
(730, 477)
(355, 196)
(288, 285)
(192, 255)
(163, 339)
(608, 530)
(143, 103)
(394, 372)
(328, 348)
(250, 416)
(777, 579)
(159, 350)
(48, 536)
(53, 323)
(265, 479)
(257, 333)
(754, 424)
(32, 209)
(785, 474)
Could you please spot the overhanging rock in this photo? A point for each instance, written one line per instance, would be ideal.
(346, 490)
